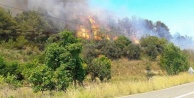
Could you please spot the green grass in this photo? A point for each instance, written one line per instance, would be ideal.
(19, 55)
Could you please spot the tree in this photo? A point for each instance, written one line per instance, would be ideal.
(90, 52)
(42, 78)
(2, 66)
(74, 47)
(152, 52)
(54, 56)
(173, 60)
(122, 42)
(14, 69)
(33, 26)
(162, 30)
(152, 46)
(101, 68)
(8, 26)
(132, 51)
(64, 57)
(111, 50)
(63, 65)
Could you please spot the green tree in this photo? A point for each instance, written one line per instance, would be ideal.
(8, 26)
(74, 47)
(122, 42)
(53, 56)
(64, 57)
(132, 51)
(151, 51)
(101, 68)
(63, 65)
(152, 46)
(2, 66)
(90, 52)
(33, 26)
(20, 42)
(14, 69)
(173, 60)
(42, 78)
(111, 50)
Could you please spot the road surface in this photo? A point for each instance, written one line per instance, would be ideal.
(181, 91)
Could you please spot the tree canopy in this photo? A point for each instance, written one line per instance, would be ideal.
(173, 60)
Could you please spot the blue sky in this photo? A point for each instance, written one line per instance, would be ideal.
(178, 15)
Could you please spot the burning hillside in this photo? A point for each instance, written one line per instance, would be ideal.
(77, 16)
(91, 29)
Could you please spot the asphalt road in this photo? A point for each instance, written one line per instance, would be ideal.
(181, 91)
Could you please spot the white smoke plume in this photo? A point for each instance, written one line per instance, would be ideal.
(62, 12)
(69, 14)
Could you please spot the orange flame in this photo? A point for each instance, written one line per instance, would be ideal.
(92, 30)
(83, 33)
(135, 40)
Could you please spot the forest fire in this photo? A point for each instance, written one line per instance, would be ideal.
(94, 29)
(135, 40)
(90, 30)
(83, 33)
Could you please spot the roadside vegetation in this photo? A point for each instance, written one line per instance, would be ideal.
(103, 90)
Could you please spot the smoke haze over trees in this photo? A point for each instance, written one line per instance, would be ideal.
(70, 14)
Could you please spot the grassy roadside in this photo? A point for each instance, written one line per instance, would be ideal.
(104, 90)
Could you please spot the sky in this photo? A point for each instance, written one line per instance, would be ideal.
(178, 15)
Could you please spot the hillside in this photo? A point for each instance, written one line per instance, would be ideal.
(74, 55)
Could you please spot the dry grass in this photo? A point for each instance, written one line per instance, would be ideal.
(123, 69)
(105, 90)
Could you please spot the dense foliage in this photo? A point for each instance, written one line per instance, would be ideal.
(101, 68)
(173, 60)
(152, 46)
(62, 59)
(8, 26)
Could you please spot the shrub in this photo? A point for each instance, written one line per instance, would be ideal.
(111, 50)
(101, 68)
(132, 51)
(152, 46)
(2, 66)
(173, 60)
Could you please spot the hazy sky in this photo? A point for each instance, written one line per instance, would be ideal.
(178, 15)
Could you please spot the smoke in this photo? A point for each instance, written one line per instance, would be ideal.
(184, 42)
(72, 13)
(63, 13)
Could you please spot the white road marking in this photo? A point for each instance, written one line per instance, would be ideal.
(184, 95)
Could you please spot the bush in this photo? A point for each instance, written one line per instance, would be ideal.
(12, 81)
(2, 67)
(42, 78)
(62, 65)
(90, 52)
(21, 42)
(10, 69)
(14, 68)
(132, 51)
(173, 60)
(101, 68)
(152, 46)
(111, 50)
